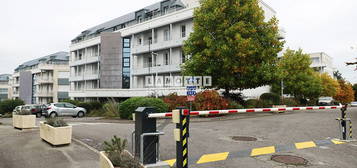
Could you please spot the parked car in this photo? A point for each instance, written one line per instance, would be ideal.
(64, 109)
(17, 109)
(326, 101)
(354, 104)
(35, 109)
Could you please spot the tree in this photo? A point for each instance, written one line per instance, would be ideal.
(300, 80)
(330, 86)
(337, 75)
(355, 89)
(232, 43)
(345, 94)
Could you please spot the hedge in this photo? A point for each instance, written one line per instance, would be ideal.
(7, 106)
(128, 107)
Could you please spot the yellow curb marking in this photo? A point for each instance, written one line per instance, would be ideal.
(213, 157)
(171, 162)
(337, 142)
(303, 145)
(263, 151)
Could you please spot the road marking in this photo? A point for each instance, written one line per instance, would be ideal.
(337, 142)
(304, 145)
(171, 162)
(213, 157)
(207, 158)
(263, 151)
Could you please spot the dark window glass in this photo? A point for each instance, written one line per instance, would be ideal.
(126, 64)
(126, 40)
(59, 105)
(126, 44)
(126, 70)
(126, 60)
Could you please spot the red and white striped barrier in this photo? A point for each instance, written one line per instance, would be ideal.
(198, 113)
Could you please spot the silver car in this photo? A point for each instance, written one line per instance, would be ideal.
(354, 104)
(64, 109)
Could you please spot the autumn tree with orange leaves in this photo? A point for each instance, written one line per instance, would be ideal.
(345, 94)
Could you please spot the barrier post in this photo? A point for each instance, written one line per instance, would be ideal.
(181, 137)
(145, 125)
(343, 122)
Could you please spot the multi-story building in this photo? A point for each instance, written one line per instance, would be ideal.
(4, 86)
(322, 63)
(113, 59)
(42, 80)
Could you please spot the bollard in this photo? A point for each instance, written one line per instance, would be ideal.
(143, 127)
(181, 136)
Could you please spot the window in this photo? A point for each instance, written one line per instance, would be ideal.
(126, 55)
(165, 10)
(126, 63)
(126, 50)
(68, 105)
(166, 35)
(166, 58)
(59, 105)
(139, 41)
(183, 31)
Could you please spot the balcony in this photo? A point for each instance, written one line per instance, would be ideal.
(44, 81)
(93, 76)
(87, 60)
(161, 45)
(44, 94)
(76, 78)
(157, 69)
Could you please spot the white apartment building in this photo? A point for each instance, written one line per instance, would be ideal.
(4, 86)
(42, 80)
(114, 58)
(322, 63)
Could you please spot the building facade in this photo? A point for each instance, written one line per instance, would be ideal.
(115, 59)
(322, 63)
(4, 86)
(42, 80)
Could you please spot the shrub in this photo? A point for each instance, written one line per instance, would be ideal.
(128, 107)
(234, 105)
(115, 151)
(290, 102)
(173, 101)
(111, 109)
(210, 100)
(7, 106)
(251, 103)
(56, 122)
(272, 97)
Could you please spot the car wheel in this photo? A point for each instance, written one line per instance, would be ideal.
(80, 114)
(38, 115)
(53, 115)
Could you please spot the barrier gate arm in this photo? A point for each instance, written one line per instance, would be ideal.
(211, 112)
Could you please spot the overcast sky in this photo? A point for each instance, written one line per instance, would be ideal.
(33, 28)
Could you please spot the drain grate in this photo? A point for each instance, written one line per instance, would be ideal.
(243, 138)
(289, 160)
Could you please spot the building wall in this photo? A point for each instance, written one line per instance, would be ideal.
(322, 63)
(111, 61)
(26, 86)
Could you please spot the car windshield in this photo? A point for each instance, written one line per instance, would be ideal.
(325, 98)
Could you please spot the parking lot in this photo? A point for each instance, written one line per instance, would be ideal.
(221, 141)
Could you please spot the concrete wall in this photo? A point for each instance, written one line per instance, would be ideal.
(111, 61)
(26, 86)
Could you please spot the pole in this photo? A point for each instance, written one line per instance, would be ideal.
(343, 122)
(181, 136)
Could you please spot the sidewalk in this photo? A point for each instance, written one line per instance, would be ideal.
(25, 149)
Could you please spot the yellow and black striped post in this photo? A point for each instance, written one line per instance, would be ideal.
(182, 132)
(350, 130)
(343, 122)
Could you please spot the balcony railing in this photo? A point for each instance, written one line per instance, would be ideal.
(44, 94)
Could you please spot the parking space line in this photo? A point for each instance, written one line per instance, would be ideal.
(304, 145)
(215, 157)
(263, 151)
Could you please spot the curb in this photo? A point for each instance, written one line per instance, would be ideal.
(85, 145)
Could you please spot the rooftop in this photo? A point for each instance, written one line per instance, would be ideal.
(123, 21)
(59, 56)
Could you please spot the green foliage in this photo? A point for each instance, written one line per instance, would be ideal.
(115, 151)
(234, 105)
(232, 43)
(111, 109)
(7, 106)
(56, 122)
(128, 107)
(290, 102)
(330, 86)
(251, 103)
(299, 79)
(271, 97)
(355, 89)
(345, 94)
(74, 102)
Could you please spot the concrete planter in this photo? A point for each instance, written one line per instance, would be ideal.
(104, 161)
(23, 121)
(56, 135)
